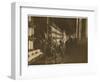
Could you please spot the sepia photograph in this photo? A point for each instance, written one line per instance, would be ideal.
(57, 40)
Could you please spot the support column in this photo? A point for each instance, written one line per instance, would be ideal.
(80, 28)
(76, 27)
